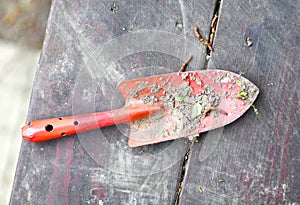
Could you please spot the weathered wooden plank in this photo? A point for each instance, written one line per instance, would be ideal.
(256, 156)
(90, 46)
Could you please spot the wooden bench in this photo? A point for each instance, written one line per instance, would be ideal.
(91, 45)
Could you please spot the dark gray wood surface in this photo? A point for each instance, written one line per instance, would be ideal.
(90, 46)
(255, 160)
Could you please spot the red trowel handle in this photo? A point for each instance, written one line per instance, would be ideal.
(48, 129)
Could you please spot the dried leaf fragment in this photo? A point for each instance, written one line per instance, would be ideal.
(196, 110)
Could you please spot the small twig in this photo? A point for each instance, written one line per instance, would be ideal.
(182, 68)
(210, 47)
(203, 41)
(212, 36)
(213, 26)
(213, 29)
(211, 40)
(214, 20)
(215, 108)
(199, 37)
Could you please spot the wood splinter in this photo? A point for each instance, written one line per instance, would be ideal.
(182, 68)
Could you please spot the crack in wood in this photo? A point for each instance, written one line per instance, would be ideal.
(213, 27)
(209, 49)
(183, 172)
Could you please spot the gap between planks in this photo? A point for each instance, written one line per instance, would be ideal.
(185, 163)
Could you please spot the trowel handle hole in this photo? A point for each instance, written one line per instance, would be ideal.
(49, 128)
(76, 122)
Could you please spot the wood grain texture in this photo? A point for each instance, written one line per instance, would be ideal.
(256, 159)
(88, 49)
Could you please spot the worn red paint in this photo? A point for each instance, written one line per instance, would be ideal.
(48, 129)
